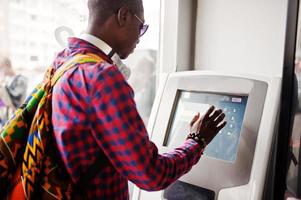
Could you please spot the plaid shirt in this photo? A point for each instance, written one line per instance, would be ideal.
(94, 113)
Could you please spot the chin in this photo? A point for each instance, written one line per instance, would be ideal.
(126, 53)
(124, 56)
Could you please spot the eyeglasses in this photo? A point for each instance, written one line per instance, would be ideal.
(143, 27)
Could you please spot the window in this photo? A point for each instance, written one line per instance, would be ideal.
(38, 32)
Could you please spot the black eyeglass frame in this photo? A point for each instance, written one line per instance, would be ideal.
(143, 27)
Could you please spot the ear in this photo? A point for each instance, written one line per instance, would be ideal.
(123, 15)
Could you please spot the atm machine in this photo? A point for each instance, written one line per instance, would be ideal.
(234, 164)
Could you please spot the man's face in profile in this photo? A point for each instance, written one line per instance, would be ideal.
(133, 31)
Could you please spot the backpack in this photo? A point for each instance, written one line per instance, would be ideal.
(29, 163)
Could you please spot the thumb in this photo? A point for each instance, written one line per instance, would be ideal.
(194, 119)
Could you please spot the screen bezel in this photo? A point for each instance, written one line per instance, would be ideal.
(239, 171)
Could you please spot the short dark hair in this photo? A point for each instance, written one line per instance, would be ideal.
(103, 9)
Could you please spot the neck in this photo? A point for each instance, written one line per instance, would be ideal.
(102, 33)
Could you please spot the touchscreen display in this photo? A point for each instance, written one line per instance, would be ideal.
(224, 146)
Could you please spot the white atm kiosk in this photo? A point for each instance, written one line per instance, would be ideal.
(234, 164)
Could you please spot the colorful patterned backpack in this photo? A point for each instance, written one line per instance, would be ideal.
(29, 165)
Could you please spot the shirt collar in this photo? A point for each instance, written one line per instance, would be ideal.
(103, 46)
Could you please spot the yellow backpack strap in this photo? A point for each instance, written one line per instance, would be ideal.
(77, 59)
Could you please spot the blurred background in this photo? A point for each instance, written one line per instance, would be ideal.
(32, 32)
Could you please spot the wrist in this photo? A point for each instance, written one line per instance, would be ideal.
(198, 139)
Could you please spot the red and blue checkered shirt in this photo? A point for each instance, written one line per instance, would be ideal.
(94, 113)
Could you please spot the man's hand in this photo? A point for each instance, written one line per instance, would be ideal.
(208, 125)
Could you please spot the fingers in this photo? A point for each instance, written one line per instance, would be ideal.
(216, 118)
(220, 118)
(194, 119)
(216, 114)
(222, 125)
(212, 117)
(209, 111)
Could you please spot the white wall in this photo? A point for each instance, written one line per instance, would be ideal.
(241, 35)
(177, 35)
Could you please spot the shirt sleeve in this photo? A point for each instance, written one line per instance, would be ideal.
(120, 133)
